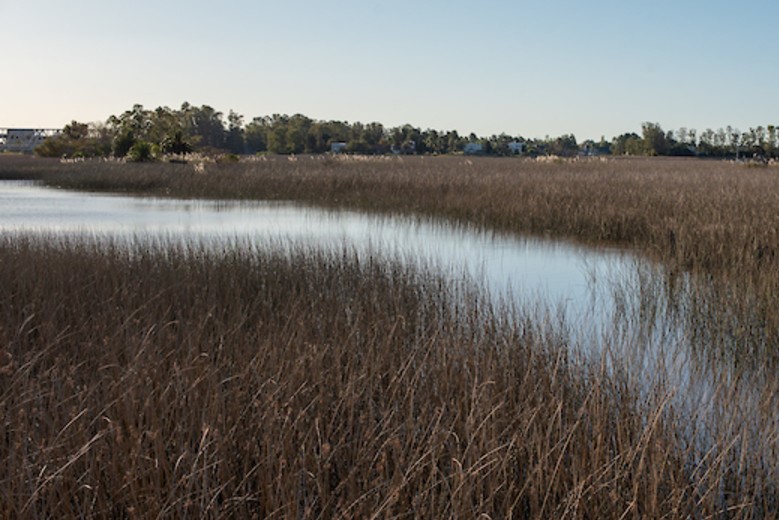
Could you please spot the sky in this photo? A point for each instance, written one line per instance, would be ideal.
(533, 69)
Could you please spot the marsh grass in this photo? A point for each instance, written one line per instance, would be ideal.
(714, 221)
(178, 381)
(181, 381)
(694, 214)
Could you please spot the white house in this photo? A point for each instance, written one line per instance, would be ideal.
(515, 147)
(337, 147)
(23, 139)
(473, 148)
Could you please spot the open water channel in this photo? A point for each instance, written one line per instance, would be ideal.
(566, 279)
(597, 294)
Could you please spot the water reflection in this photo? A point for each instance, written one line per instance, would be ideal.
(560, 274)
(615, 307)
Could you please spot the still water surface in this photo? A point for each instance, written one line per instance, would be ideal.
(556, 275)
(599, 292)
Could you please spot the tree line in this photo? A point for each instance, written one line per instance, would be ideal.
(143, 134)
(758, 142)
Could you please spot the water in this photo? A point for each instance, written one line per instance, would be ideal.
(595, 294)
(560, 276)
(613, 304)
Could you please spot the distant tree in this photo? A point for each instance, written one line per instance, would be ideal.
(298, 127)
(564, 146)
(627, 144)
(176, 144)
(277, 134)
(771, 144)
(654, 139)
(359, 146)
(141, 151)
(721, 139)
(682, 135)
(706, 144)
(235, 133)
(76, 130)
(76, 140)
(499, 144)
(207, 124)
(734, 140)
(255, 135)
(373, 133)
(454, 143)
(356, 131)
(123, 141)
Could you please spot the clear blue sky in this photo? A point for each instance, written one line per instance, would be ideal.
(520, 67)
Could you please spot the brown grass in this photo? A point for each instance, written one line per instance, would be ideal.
(316, 385)
(717, 220)
(711, 215)
(180, 383)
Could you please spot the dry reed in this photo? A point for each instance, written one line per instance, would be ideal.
(311, 385)
(179, 382)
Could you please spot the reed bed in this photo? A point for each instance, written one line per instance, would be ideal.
(694, 214)
(716, 221)
(182, 381)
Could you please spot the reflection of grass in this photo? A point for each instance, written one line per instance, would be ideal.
(238, 384)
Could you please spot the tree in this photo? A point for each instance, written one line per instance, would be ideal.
(682, 135)
(771, 143)
(235, 133)
(373, 133)
(207, 124)
(76, 130)
(654, 139)
(141, 151)
(454, 142)
(255, 135)
(176, 144)
(123, 141)
(564, 146)
(627, 144)
(297, 132)
(277, 133)
(734, 139)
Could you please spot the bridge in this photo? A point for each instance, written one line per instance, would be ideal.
(24, 139)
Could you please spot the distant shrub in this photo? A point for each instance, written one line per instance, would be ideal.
(123, 143)
(57, 146)
(228, 158)
(141, 151)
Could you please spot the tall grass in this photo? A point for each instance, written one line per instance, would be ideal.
(189, 382)
(710, 215)
(183, 382)
(714, 220)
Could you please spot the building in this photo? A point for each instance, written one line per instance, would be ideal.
(337, 147)
(515, 147)
(473, 148)
(24, 139)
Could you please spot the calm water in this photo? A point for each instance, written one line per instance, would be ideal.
(560, 276)
(596, 291)
(600, 292)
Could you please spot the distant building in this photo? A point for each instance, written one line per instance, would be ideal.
(473, 148)
(23, 139)
(338, 147)
(515, 147)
